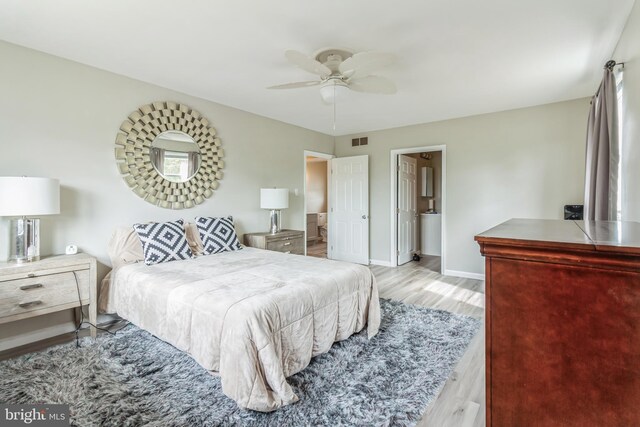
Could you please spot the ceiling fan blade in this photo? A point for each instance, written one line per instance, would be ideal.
(373, 84)
(364, 63)
(307, 64)
(296, 85)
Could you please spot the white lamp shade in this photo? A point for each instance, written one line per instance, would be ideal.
(274, 198)
(29, 196)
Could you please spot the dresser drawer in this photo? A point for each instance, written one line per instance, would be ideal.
(290, 245)
(19, 296)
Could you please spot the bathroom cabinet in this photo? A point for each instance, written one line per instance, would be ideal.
(426, 189)
(431, 234)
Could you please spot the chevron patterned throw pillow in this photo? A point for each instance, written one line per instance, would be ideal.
(163, 241)
(217, 234)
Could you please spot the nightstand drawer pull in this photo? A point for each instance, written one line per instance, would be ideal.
(29, 304)
(287, 244)
(34, 286)
(31, 275)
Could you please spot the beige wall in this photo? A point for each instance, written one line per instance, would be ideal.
(316, 186)
(523, 163)
(59, 119)
(628, 51)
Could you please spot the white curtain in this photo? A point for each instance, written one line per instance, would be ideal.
(194, 163)
(157, 158)
(603, 153)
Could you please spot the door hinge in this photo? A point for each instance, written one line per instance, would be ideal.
(398, 253)
(398, 210)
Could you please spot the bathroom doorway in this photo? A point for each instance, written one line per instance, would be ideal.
(418, 177)
(316, 203)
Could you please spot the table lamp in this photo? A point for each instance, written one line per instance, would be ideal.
(274, 199)
(27, 196)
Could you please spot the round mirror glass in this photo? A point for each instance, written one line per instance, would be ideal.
(175, 155)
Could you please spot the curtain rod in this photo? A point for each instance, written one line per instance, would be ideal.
(612, 63)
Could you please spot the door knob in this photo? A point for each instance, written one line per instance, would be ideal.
(364, 217)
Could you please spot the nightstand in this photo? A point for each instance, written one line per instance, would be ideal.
(46, 286)
(287, 241)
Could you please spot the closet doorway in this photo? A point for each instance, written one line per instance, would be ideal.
(418, 196)
(316, 203)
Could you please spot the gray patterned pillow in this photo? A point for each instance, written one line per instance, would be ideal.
(217, 234)
(163, 241)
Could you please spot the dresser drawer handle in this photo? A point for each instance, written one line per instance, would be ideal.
(31, 275)
(287, 244)
(29, 304)
(34, 286)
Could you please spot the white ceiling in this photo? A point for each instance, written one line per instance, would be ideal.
(455, 58)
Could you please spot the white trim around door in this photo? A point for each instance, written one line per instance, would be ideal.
(393, 203)
(318, 154)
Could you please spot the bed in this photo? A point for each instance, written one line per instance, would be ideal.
(254, 316)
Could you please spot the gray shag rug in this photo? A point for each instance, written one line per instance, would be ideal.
(134, 379)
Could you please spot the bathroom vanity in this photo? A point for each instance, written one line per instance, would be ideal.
(431, 234)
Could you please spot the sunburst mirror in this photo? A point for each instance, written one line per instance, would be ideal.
(169, 155)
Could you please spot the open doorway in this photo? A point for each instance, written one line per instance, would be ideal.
(418, 197)
(316, 201)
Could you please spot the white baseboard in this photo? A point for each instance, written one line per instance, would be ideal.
(465, 274)
(379, 262)
(454, 273)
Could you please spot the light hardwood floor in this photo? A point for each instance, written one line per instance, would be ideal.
(461, 402)
(318, 249)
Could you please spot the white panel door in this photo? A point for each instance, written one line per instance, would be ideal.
(349, 209)
(407, 208)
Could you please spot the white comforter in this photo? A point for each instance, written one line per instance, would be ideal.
(255, 316)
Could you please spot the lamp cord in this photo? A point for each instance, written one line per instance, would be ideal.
(83, 321)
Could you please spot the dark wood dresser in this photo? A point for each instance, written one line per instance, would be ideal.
(562, 323)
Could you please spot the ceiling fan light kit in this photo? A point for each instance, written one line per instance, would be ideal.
(333, 90)
(340, 70)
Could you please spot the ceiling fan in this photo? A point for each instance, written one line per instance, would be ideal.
(340, 71)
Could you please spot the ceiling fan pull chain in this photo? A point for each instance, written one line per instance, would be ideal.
(334, 108)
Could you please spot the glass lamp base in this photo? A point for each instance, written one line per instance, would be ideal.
(276, 221)
(24, 240)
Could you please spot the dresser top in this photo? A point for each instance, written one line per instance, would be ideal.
(619, 234)
(613, 236)
(53, 261)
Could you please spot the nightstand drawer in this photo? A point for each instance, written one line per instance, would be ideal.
(293, 246)
(35, 293)
(287, 241)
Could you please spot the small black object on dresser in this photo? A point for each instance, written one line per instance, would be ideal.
(574, 212)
